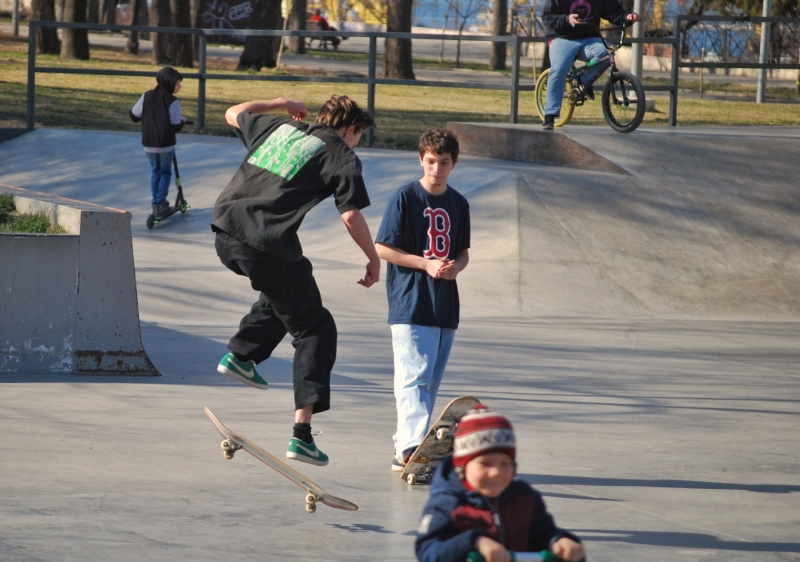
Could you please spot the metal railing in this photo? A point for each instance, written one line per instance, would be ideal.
(679, 36)
(203, 75)
(371, 79)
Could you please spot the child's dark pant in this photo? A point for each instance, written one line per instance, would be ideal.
(289, 302)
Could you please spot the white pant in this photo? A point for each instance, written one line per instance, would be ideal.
(420, 357)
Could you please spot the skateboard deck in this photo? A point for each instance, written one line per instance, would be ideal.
(233, 442)
(438, 442)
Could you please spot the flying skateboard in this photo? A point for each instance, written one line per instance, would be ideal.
(233, 442)
(438, 442)
(180, 203)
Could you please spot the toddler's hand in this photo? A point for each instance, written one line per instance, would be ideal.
(492, 551)
(567, 549)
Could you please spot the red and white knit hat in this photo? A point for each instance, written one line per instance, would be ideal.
(482, 431)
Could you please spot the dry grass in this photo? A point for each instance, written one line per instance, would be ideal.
(402, 112)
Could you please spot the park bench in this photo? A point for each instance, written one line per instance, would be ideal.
(322, 42)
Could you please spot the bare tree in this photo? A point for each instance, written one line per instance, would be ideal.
(259, 52)
(464, 10)
(182, 42)
(397, 52)
(109, 15)
(93, 11)
(46, 37)
(161, 16)
(297, 20)
(497, 58)
(75, 42)
(138, 17)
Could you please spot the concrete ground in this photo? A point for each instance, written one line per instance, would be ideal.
(641, 331)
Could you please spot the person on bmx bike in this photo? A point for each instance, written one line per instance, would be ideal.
(572, 34)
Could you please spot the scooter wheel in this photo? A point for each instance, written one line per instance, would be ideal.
(151, 222)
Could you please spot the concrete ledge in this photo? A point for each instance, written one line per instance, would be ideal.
(529, 143)
(69, 300)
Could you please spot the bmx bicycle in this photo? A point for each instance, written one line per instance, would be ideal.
(622, 99)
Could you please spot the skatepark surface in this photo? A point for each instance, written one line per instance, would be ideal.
(641, 330)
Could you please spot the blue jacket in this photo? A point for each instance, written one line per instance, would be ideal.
(455, 517)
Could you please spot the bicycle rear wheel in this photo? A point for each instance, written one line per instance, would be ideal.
(623, 102)
(567, 107)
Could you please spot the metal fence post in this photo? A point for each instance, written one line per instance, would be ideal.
(31, 102)
(676, 59)
(373, 50)
(201, 85)
(514, 118)
(763, 54)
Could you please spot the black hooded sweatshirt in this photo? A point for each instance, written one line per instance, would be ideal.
(153, 110)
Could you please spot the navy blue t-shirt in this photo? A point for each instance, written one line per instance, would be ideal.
(432, 226)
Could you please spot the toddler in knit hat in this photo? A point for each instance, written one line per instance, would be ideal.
(476, 504)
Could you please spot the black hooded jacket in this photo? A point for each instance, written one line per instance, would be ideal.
(158, 131)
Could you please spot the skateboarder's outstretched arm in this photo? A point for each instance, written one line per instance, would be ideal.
(294, 108)
(358, 228)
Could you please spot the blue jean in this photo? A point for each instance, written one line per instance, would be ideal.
(161, 165)
(420, 357)
(563, 52)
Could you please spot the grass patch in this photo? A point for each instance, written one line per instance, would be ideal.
(402, 112)
(12, 221)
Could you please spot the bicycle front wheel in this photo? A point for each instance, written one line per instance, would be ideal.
(623, 102)
(567, 106)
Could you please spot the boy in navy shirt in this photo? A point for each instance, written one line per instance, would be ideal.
(425, 238)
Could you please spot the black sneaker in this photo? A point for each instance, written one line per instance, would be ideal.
(549, 121)
(588, 91)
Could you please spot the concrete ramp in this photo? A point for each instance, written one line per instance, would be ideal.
(69, 300)
(529, 143)
(700, 224)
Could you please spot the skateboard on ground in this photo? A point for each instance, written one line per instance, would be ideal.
(233, 442)
(180, 203)
(438, 442)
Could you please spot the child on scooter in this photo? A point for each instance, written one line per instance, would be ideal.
(160, 113)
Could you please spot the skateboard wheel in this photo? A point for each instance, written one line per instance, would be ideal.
(228, 448)
(151, 221)
(411, 479)
(441, 434)
(311, 499)
(311, 507)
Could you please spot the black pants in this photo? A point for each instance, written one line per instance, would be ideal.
(289, 302)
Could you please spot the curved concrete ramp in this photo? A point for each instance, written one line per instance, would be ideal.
(709, 225)
(529, 143)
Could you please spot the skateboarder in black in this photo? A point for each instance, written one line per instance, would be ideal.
(290, 167)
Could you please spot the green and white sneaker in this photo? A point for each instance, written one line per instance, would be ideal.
(304, 452)
(242, 371)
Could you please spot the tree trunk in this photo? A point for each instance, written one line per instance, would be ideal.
(138, 17)
(497, 59)
(182, 17)
(259, 52)
(93, 11)
(75, 43)
(161, 16)
(46, 37)
(297, 20)
(397, 52)
(109, 12)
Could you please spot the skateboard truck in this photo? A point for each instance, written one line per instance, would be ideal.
(229, 447)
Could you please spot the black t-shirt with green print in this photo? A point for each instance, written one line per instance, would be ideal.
(290, 167)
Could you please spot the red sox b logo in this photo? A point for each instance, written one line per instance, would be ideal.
(438, 233)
